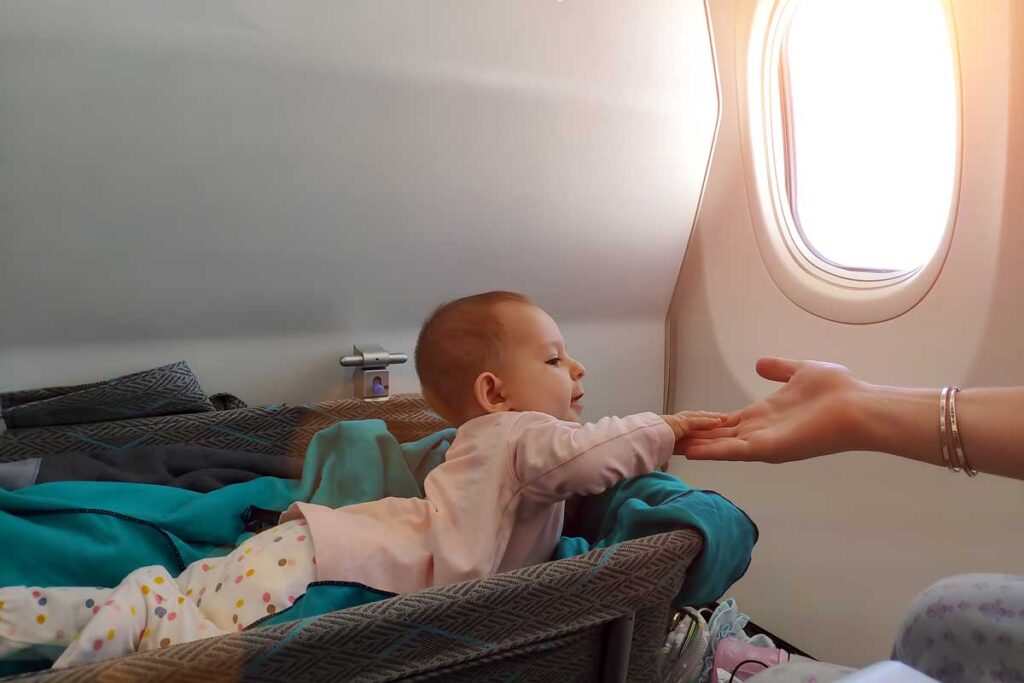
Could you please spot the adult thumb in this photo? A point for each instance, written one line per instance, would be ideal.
(777, 369)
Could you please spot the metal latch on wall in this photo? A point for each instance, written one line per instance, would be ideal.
(372, 378)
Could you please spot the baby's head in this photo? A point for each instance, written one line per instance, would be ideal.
(496, 352)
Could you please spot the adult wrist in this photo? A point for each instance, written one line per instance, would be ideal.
(898, 421)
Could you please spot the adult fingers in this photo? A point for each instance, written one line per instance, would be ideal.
(684, 414)
(731, 419)
(715, 433)
(717, 449)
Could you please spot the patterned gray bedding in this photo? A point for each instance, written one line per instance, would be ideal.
(276, 429)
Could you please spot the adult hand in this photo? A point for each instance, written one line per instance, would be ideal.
(814, 413)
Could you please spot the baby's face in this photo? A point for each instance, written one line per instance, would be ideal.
(537, 372)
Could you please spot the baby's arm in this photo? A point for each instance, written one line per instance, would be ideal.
(553, 460)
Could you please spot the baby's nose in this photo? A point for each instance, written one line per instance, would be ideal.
(578, 370)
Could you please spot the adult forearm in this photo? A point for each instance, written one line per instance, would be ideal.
(905, 422)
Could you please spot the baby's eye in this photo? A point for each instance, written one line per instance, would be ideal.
(554, 361)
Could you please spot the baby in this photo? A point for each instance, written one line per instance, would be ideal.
(495, 366)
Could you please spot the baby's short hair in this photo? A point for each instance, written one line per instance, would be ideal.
(457, 342)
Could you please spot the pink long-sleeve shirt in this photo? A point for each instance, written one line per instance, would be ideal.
(495, 504)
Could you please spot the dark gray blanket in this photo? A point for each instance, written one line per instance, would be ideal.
(197, 468)
(167, 390)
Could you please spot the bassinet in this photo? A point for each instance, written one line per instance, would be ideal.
(598, 616)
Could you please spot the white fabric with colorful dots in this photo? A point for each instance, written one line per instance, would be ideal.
(150, 609)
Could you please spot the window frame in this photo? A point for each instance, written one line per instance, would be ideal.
(806, 277)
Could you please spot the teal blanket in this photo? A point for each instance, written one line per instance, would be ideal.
(658, 503)
(95, 533)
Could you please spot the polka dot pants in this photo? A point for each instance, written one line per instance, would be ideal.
(150, 609)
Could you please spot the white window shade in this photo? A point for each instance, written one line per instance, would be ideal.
(871, 130)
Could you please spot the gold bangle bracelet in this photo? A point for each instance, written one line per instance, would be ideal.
(955, 430)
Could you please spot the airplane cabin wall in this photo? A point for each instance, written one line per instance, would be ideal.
(255, 186)
(847, 541)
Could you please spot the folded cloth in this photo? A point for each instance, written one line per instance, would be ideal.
(196, 468)
(19, 474)
(166, 390)
(227, 402)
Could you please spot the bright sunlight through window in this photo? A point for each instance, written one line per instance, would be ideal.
(870, 105)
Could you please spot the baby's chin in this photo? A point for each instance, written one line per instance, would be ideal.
(567, 414)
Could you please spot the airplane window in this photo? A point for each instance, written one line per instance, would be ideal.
(869, 114)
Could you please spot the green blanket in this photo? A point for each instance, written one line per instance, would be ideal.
(95, 533)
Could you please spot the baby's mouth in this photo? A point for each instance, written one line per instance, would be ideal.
(575, 403)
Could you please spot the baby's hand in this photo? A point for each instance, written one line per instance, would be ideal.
(687, 421)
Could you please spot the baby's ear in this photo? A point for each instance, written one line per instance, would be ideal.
(489, 393)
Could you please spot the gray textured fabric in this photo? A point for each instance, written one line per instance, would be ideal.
(197, 468)
(542, 623)
(167, 390)
(19, 474)
(278, 429)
